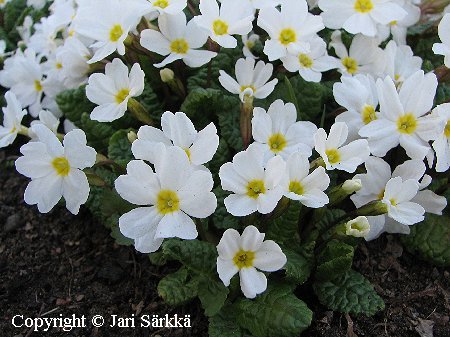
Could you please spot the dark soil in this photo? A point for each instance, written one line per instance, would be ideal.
(57, 263)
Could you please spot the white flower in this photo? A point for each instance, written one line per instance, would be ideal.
(358, 227)
(177, 130)
(312, 64)
(22, 73)
(397, 196)
(3, 3)
(299, 184)
(245, 254)
(112, 90)
(167, 197)
(444, 33)
(46, 118)
(251, 79)
(233, 18)
(442, 143)
(360, 16)
(109, 29)
(358, 94)
(249, 42)
(56, 170)
(290, 30)
(399, 28)
(374, 185)
(335, 154)
(178, 40)
(364, 55)
(12, 119)
(401, 119)
(158, 7)
(276, 131)
(37, 4)
(73, 58)
(255, 187)
(400, 62)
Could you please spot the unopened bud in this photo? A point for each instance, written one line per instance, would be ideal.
(358, 227)
(167, 75)
(132, 136)
(352, 186)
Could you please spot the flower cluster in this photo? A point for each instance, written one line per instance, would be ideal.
(244, 152)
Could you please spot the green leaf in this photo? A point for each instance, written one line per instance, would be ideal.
(325, 218)
(178, 288)
(119, 238)
(276, 312)
(308, 96)
(442, 94)
(350, 293)
(119, 148)
(212, 294)
(229, 123)
(284, 229)
(224, 324)
(12, 12)
(73, 103)
(334, 260)
(430, 239)
(198, 256)
(151, 103)
(298, 268)
(97, 133)
(201, 104)
(221, 218)
(158, 258)
(221, 156)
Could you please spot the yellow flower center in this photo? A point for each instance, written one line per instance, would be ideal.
(350, 64)
(393, 202)
(277, 142)
(179, 46)
(255, 188)
(447, 129)
(220, 27)
(37, 85)
(248, 86)
(167, 202)
(59, 65)
(368, 114)
(188, 153)
(61, 166)
(287, 36)
(305, 60)
(358, 226)
(244, 259)
(71, 32)
(161, 3)
(122, 95)
(407, 124)
(13, 130)
(363, 6)
(296, 187)
(250, 44)
(115, 33)
(397, 77)
(333, 156)
(393, 23)
(381, 195)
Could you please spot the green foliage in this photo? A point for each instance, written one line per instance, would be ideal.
(349, 293)
(97, 133)
(178, 288)
(198, 105)
(284, 229)
(158, 258)
(334, 260)
(229, 124)
(276, 312)
(212, 294)
(12, 12)
(298, 267)
(197, 256)
(221, 156)
(119, 148)
(310, 97)
(442, 94)
(73, 103)
(151, 103)
(224, 324)
(430, 239)
(221, 218)
(325, 218)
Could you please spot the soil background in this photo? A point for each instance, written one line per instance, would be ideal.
(57, 263)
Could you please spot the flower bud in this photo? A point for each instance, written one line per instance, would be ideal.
(358, 227)
(167, 75)
(351, 186)
(132, 136)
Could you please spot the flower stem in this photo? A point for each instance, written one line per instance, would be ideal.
(246, 120)
(139, 112)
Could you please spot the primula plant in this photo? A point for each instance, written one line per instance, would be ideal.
(251, 145)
